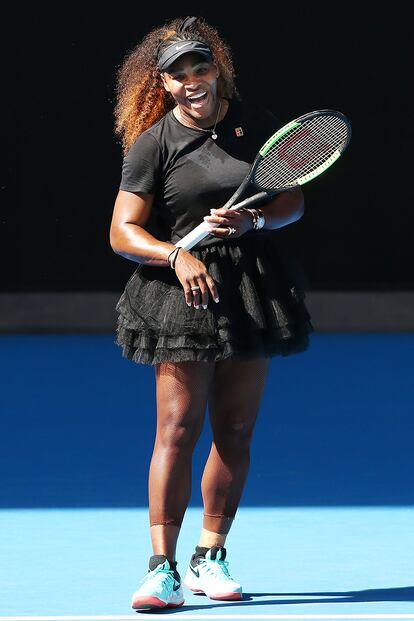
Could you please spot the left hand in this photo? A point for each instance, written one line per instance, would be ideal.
(223, 221)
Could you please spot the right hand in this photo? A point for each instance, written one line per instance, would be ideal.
(193, 273)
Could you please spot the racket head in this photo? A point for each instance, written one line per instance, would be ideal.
(301, 150)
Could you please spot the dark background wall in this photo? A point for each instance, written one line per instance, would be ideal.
(63, 161)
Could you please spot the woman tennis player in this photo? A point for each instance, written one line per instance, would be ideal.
(208, 319)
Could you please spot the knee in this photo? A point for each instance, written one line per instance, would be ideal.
(178, 435)
(234, 437)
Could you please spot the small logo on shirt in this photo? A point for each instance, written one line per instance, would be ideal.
(239, 131)
(180, 47)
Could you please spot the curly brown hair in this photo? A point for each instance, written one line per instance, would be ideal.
(141, 98)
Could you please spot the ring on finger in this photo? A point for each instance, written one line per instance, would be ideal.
(194, 289)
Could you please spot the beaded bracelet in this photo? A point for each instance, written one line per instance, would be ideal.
(257, 218)
(251, 214)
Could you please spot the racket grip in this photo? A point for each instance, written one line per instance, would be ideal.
(193, 237)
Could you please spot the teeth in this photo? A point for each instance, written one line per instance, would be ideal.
(196, 96)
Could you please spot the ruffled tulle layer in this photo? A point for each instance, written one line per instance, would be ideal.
(261, 312)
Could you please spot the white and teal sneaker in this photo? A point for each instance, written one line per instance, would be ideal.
(161, 587)
(208, 573)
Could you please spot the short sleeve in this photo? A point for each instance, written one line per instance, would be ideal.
(141, 167)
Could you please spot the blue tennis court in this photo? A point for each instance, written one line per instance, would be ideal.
(325, 528)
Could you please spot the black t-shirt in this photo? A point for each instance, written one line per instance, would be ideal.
(188, 172)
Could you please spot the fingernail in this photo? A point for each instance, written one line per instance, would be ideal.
(212, 210)
(216, 300)
(205, 306)
(196, 306)
(188, 303)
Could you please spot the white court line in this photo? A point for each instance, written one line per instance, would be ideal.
(213, 616)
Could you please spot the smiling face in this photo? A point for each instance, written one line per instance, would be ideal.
(192, 81)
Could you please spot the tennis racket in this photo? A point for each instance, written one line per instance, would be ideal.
(294, 155)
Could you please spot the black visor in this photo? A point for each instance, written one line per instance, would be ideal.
(178, 48)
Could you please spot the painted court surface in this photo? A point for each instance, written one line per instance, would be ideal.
(325, 528)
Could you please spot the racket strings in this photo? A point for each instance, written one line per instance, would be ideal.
(302, 151)
(330, 137)
(306, 147)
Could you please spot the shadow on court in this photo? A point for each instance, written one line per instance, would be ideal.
(403, 594)
(335, 426)
(397, 594)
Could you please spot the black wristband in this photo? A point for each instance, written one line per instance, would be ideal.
(174, 258)
(170, 255)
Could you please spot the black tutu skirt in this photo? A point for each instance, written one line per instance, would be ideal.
(261, 312)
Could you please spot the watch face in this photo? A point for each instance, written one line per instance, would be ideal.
(260, 222)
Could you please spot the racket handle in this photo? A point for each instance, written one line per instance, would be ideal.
(202, 230)
(193, 237)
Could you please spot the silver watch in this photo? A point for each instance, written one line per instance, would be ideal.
(260, 222)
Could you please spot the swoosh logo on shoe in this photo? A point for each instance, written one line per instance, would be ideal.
(195, 572)
(176, 587)
(180, 47)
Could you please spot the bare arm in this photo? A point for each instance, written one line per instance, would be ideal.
(129, 239)
(284, 209)
(127, 234)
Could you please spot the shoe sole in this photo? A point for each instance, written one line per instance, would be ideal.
(227, 596)
(146, 603)
(219, 596)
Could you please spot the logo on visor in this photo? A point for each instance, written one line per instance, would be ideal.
(179, 47)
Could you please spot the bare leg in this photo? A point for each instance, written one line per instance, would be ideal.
(234, 400)
(182, 390)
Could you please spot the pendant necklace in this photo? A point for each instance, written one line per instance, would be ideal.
(212, 131)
